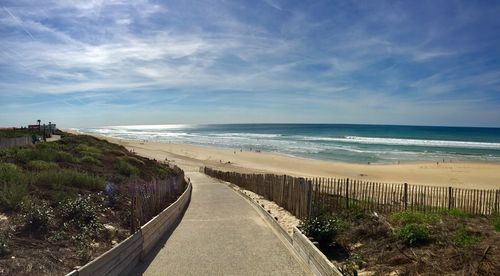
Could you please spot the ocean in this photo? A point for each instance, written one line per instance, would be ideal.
(337, 142)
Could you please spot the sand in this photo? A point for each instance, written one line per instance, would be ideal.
(477, 175)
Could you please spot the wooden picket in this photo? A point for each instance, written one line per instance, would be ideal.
(305, 197)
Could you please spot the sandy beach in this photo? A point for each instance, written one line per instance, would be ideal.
(191, 157)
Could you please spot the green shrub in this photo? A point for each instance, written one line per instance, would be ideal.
(134, 161)
(49, 154)
(68, 178)
(23, 155)
(83, 248)
(413, 234)
(407, 217)
(458, 213)
(496, 222)
(87, 159)
(322, 229)
(163, 171)
(463, 239)
(52, 146)
(40, 165)
(354, 212)
(4, 243)
(13, 186)
(89, 150)
(62, 156)
(82, 214)
(126, 168)
(36, 216)
(117, 153)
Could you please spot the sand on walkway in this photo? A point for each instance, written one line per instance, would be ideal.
(476, 175)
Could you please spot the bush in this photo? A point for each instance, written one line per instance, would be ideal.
(463, 239)
(62, 156)
(322, 229)
(354, 212)
(45, 153)
(87, 159)
(36, 216)
(163, 171)
(4, 243)
(496, 222)
(68, 178)
(126, 168)
(89, 150)
(82, 213)
(53, 146)
(416, 217)
(13, 186)
(40, 165)
(413, 234)
(458, 213)
(134, 161)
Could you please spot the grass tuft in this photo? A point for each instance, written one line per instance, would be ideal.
(13, 186)
(87, 159)
(463, 238)
(126, 169)
(40, 165)
(496, 222)
(58, 180)
(413, 234)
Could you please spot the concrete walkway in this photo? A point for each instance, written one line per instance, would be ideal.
(221, 234)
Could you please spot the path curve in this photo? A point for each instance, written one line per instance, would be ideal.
(221, 234)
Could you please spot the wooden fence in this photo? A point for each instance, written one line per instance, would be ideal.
(149, 199)
(14, 142)
(305, 197)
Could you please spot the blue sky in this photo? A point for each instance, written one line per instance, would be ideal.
(98, 63)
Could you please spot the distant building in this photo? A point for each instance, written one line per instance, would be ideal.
(50, 128)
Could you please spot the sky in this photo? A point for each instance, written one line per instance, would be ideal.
(99, 63)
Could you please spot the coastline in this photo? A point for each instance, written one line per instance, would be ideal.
(474, 175)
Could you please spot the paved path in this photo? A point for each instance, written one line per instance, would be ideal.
(221, 234)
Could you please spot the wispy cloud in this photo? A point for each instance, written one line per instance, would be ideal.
(19, 23)
(333, 55)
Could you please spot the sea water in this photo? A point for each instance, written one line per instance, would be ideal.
(338, 142)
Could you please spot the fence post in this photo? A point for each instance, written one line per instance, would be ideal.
(309, 198)
(347, 193)
(449, 197)
(497, 192)
(405, 196)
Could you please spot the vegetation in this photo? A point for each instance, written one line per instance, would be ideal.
(90, 160)
(322, 229)
(13, 186)
(59, 195)
(40, 165)
(464, 238)
(413, 234)
(36, 217)
(126, 169)
(409, 243)
(496, 222)
(67, 178)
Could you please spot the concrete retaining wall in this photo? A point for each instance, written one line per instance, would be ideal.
(122, 258)
(309, 253)
(14, 142)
